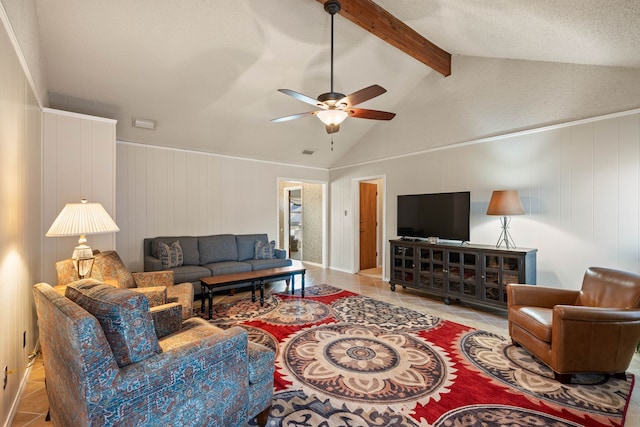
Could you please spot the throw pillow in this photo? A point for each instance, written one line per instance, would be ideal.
(124, 316)
(171, 256)
(264, 250)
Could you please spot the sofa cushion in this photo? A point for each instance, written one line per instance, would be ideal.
(124, 316)
(189, 245)
(247, 245)
(261, 264)
(170, 255)
(217, 248)
(190, 273)
(228, 267)
(264, 250)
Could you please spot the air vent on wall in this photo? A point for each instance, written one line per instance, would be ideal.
(143, 124)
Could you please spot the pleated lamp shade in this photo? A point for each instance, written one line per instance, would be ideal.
(81, 219)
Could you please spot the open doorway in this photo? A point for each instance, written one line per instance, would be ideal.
(370, 246)
(302, 220)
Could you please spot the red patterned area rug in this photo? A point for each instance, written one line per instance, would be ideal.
(346, 360)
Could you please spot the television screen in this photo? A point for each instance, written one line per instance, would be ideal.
(442, 215)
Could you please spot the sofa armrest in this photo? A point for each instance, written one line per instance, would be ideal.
(280, 253)
(539, 296)
(167, 318)
(153, 278)
(152, 263)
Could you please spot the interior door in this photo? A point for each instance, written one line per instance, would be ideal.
(368, 224)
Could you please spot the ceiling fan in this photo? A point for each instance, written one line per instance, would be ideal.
(335, 106)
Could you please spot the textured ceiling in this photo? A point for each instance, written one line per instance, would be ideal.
(208, 71)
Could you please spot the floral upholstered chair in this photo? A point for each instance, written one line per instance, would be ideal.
(157, 286)
(105, 366)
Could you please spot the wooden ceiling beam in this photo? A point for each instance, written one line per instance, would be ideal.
(384, 25)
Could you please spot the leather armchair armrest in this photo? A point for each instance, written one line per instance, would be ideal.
(594, 314)
(152, 263)
(153, 278)
(539, 296)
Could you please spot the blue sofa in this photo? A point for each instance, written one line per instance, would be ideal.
(106, 365)
(213, 255)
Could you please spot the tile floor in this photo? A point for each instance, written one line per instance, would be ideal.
(33, 406)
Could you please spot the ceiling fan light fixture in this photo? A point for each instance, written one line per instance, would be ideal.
(332, 117)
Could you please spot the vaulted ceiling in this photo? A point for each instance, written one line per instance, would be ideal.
(207, 71)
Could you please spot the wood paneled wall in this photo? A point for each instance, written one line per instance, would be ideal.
(579, 183)
(175, 192)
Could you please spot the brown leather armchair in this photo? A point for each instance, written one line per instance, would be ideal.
(593, 330)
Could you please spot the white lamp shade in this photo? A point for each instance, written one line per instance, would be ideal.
(332, 117)
(79, 219)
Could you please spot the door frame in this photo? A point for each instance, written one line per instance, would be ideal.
(285, 216)
(325, 206)
(382, 223)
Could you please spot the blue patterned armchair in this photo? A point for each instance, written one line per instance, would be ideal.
(105, 365)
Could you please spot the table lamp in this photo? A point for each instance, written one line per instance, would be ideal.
(505, 203)
(82, 219)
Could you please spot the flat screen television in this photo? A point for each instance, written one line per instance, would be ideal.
(442, 215)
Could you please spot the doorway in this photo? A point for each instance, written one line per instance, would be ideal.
(302, 220)
(293, 223)
(369, 226)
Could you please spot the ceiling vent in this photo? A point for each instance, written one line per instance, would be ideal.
(308, 152)
(143, 124)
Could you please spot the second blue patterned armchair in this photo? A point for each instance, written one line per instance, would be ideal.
(106, 366)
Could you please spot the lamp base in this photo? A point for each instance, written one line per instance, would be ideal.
(83, 260)
(505, 236)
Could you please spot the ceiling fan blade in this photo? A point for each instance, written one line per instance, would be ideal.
(362, 113)
(332, 128)
(303, 98)
(293, 116)
(362, 95)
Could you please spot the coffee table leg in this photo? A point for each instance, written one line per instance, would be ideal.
(202, 296)
(302, 276)
(293, 284)
(210, 293)
(253, 291)
(261, 293)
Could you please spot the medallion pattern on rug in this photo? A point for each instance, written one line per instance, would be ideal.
(346, 360)
(366, 367)
(514, 366)
(244, 309)
(297, 312)
(364, 311)
(499, 415)
(294, 408)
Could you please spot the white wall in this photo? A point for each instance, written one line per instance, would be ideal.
(488, 96)
(579, 183)
(175, 192)
(20, 219)
(79, 163)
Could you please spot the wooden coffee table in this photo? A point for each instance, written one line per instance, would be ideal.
(225, 282)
